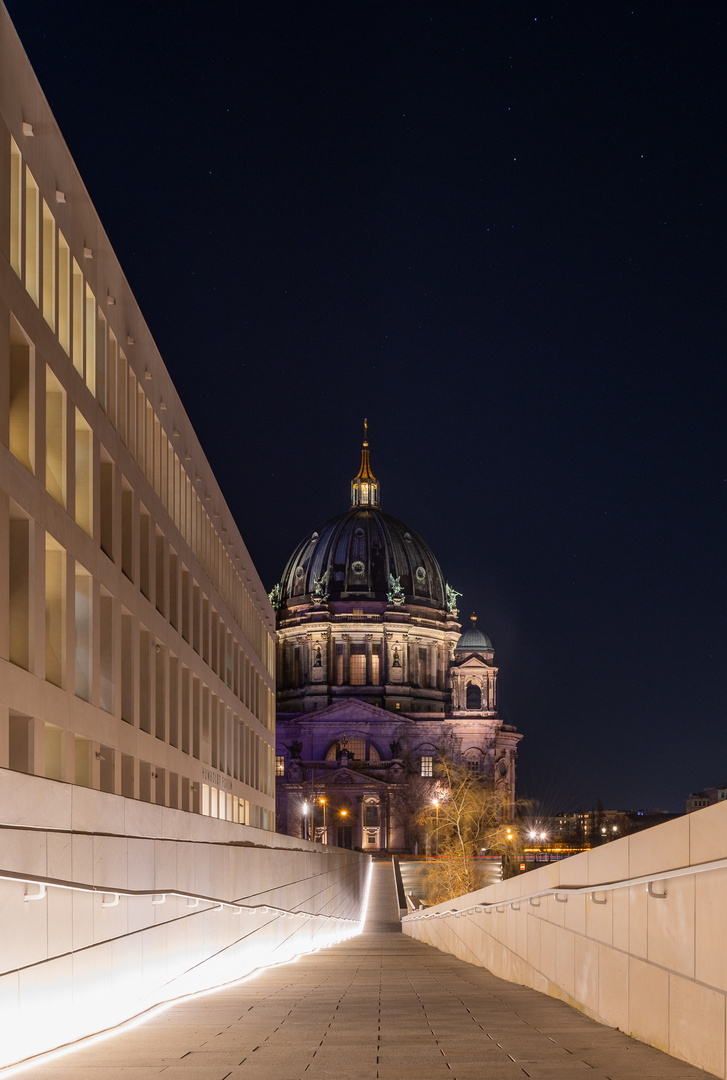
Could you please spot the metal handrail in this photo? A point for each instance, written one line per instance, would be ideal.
(562, 892)
(158, 896)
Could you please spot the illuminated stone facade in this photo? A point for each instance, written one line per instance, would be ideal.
(375, 678)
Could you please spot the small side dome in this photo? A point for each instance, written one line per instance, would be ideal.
(473, 640)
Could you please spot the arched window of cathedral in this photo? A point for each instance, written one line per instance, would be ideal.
(474, 696)
(356, 748)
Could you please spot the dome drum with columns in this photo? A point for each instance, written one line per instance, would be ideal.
(370, 654)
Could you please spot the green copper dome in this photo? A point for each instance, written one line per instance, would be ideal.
(473, 640)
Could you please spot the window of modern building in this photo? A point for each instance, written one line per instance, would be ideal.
(21, 393)
(54, 752)
(55, 611)
(144, 679)
(144, 552)
(160, 686)
(160, 576)
(127, 776)
(107, 763)
(64, 294)
(112, 353)
(77, 320)
(83, 761)
(173, 589)
(55, 438)
(19, 591)
(107, 504)
(20, 731)
(16, 207)
(127, 530)
(84, 632)
(32, 240)
(49, 266)
(84, 474)
(106, 651)
(90, 365)
(127, 667)
(122, 398)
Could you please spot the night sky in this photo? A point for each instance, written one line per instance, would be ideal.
(498, 231)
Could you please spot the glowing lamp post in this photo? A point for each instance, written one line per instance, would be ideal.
(306, 833)
(436, 818)
(324, 839)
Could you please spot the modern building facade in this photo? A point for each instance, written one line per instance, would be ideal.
(136, 640)
(375, 678)
(136, 650)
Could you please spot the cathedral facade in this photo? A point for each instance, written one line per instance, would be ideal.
(375, 679)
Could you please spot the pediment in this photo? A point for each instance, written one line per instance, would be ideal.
(348, 778)
(474, 663)
(348, 710)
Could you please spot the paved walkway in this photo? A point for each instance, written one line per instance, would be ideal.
(378, 1007)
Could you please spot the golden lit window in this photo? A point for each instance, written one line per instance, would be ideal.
(358, 665)
(279, 765)
(354, 747)
(427, 765)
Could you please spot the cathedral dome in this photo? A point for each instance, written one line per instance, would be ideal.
(364, 554)
(473, 640)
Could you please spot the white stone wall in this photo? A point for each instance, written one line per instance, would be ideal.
(655, 968)
(70, 966)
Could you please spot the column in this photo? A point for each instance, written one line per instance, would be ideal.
(346, 660)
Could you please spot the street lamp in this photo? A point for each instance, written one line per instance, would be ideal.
(435, 803)
(323, 836)
(306, 835)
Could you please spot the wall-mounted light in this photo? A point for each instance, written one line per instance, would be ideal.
(87, 253)
(28, 129)
(60, 196)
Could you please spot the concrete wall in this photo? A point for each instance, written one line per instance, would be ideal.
(70, 966)
(655, 968)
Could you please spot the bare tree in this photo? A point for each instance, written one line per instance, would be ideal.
(471, 815)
